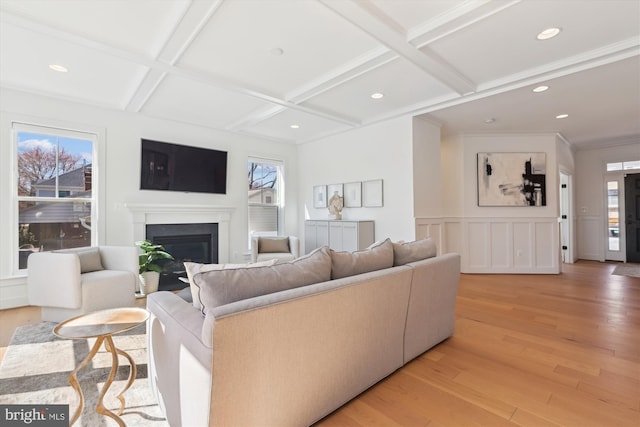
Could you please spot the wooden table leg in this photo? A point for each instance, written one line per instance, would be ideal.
(73, 378)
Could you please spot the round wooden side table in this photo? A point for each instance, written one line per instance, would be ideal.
(102, 325)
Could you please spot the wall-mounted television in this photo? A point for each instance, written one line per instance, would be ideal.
(174, 167)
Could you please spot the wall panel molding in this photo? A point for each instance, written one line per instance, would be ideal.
(510, 245)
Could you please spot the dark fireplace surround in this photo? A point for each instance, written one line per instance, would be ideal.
(185, 242)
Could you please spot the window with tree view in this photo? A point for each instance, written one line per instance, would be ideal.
(264, 179)
(54, 189)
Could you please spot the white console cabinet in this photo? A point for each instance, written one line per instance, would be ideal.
(339, 235)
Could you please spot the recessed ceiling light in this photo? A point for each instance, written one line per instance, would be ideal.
(548, 33)
(562, 116)
(540, 88)
(295, 126)
(489, 120)
(377, 95)
(58, 68)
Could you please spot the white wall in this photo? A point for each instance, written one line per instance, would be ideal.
(122, 168)
(499, 239)
(590, 194)
(380, 151)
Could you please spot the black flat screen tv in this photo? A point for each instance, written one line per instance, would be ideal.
(174, 167)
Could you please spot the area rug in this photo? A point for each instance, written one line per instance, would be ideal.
(632, 270)
(37, 364)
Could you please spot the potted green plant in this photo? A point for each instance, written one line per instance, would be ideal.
(149, 269)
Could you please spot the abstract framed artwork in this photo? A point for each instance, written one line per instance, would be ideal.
(372, 193)
(512, 179)
(320, 196)
(353, 195)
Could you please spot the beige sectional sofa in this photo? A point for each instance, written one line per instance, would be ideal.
(287, 344)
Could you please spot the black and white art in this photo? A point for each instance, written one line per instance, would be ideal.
(512, 179)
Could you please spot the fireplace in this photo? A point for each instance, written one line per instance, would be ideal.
(186, 242)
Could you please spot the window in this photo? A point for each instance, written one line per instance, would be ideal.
(265, 201)
(55, 191)
(613, 216)
(619, 166)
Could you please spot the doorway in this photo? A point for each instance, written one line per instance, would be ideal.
(566, 219)
(632, 216)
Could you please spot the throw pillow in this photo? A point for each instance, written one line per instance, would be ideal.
(220, 287)
(269, 245)
(376, 257)
(404, 253)
(90, 260)
(193, 268)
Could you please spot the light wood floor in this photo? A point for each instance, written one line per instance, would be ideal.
(528, 350)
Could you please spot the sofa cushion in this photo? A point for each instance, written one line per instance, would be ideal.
(376, 257)
(404, 253)
(273, 245)
(219, 287)
(193, 268)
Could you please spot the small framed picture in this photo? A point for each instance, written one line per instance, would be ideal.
(333, 189)
(320, 196)
(353, 195)
(372, 193)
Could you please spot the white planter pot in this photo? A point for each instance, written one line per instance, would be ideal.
(149, 282)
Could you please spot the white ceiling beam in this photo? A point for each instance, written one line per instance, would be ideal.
(455, 19)
(366, 16)
(159, 70)
(186, 30)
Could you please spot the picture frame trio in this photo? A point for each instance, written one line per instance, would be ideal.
(367, 194)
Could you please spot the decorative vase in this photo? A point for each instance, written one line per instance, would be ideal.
(149, 282)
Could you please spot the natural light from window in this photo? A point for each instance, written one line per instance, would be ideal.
(54, 191)
(620, 166)
(264, 201)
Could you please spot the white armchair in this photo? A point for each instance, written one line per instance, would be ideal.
(280, 248)
(71, 282)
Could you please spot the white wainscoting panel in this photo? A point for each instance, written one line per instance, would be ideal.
(431, 227)
(453, 235)
(478, 246)
(547, 237)
(510, 245)
(497, 245)
(590, 244)
(501, 254)
(522, 238)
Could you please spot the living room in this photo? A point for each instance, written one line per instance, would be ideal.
(423, 144)
(426, 156)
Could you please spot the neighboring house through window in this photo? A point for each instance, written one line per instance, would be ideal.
(265, 197)
(55, 194)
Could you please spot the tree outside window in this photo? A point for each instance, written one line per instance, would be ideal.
(54, 190)
(264, 197)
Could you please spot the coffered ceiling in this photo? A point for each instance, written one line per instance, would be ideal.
(259, 67)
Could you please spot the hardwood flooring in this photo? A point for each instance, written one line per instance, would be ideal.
(528, 350)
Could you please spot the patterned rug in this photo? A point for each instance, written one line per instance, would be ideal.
(37, 365)
(632, 270)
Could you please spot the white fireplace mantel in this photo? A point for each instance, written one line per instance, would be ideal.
(155, 213)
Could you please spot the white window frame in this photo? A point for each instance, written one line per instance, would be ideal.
(280, 190)
(43, 126)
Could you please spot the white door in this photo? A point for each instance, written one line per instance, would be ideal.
(565, 219)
